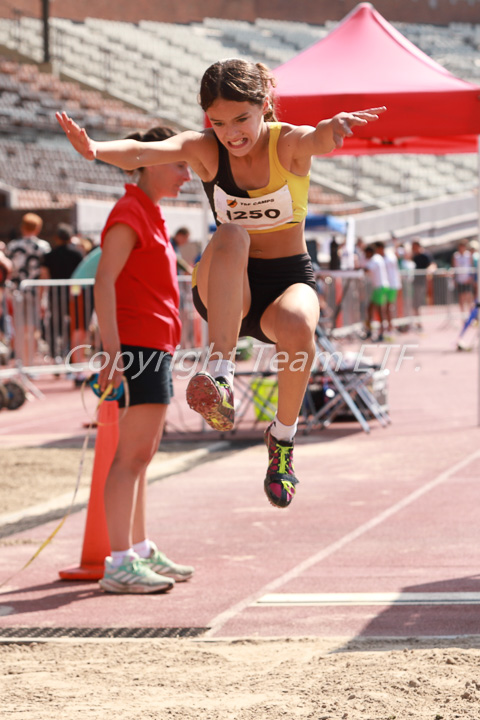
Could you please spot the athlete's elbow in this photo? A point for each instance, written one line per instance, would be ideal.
(129, 162)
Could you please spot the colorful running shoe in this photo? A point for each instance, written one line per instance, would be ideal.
(133, 576)
(159, 563)
(280, 480)
(213, 399)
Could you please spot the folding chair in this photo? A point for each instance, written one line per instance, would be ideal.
(351, 385)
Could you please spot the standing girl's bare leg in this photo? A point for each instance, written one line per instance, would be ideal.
(139, 525)
(138, 433)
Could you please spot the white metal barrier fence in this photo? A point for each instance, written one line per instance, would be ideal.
(52, 324)
(445, 292)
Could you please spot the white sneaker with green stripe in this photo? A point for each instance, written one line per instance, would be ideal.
(133, 576)
(159, 563)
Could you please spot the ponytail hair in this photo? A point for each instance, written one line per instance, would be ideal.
(238, 80)
(269, 83)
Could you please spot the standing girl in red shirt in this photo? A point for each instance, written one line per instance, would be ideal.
(136, 300)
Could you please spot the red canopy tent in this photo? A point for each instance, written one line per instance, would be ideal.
(365, 62)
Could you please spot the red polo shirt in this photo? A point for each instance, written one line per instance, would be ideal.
(147, 287)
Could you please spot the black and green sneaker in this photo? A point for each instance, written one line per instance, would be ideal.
(280, 481)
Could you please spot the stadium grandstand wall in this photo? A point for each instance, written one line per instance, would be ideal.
(116, 76)
(438, 12)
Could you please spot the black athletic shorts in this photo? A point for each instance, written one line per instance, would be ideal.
(148, 373)
(268, 279)
(464, 287)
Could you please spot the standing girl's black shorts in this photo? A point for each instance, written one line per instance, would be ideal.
(148, 373)
(268, 279)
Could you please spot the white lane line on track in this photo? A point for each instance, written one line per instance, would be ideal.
(223, 618)
(360, 599)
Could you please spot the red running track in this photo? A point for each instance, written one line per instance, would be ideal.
(381, 540)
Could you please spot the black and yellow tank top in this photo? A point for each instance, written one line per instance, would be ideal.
(281, 204)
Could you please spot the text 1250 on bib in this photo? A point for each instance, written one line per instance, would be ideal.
(262, 213)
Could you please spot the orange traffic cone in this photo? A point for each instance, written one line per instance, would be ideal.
(96, 545)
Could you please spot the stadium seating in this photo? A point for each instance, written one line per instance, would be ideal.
(152, 70)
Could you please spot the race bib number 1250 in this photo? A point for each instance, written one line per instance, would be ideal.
(262, 213)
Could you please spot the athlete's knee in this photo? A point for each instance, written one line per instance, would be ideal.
(231, 239)
(296, 329)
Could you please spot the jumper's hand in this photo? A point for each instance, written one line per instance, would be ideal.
(343, 123)
(77, 136)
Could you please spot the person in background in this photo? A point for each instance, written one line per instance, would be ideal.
(473, 246)
(394, 281)
(359, 254)
(179, 238)
(312, 249)
(27, 251)
(26, 254)
(136, 301)
(5, 271)
(377, 273)
(6, 265)
(59, 264)
(64, 257)
(462, 264)
(403, 262)
(83, 243)
(87, 269)
(359, 261)
(424, 265)
(335, 262)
